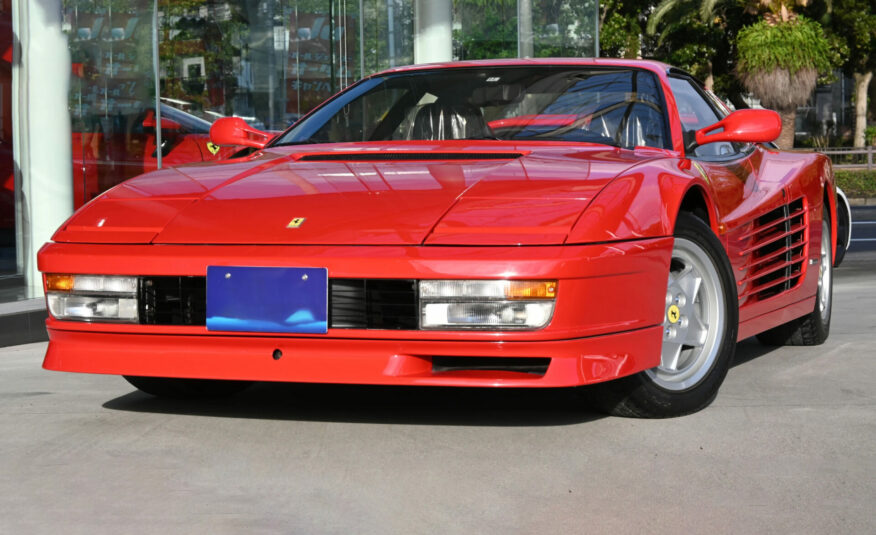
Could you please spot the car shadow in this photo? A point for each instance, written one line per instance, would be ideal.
(499, 407)
(750, 349)
(380, 405)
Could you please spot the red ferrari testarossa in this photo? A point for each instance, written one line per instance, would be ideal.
(519, 223)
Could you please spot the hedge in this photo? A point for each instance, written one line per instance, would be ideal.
(856, 183)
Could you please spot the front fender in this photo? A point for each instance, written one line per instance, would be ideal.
(643, 202)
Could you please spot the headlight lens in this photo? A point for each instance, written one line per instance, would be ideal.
(474, 304)
(92, 297)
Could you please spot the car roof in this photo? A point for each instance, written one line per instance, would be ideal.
(651, 65)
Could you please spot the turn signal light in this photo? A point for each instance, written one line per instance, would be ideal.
(532, 290)
(59, 283)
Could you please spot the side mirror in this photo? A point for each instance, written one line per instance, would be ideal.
(166, 124)
(745, 126)
(231, 131)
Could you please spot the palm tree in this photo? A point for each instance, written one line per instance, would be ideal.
(778, 59)
(678, 15)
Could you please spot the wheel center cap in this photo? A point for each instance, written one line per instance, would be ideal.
(673, 314)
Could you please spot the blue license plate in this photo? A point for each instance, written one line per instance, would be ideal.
(267, 299)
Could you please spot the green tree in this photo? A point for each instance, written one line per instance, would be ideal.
(779, 61)
(700, 37)
(622, 28)
(488, 30)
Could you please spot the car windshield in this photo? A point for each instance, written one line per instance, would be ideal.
(612, 106)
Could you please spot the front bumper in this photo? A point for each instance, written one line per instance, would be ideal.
(388, 362)
(606, 323)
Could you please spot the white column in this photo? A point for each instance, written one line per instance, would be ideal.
(433, 41)
(525, 47)
(41, 128)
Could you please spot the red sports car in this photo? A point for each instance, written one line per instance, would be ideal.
(393, 236)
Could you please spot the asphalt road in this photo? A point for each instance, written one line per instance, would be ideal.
(788, 447)
(863, 228)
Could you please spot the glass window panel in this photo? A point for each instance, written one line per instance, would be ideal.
(490, 30)
(696, 113)
(267, 61)
(483, 31)
(111, 90)
(388, 37)
(270, 62)
(564, 29)
(8, 264)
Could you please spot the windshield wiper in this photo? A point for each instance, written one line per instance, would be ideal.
(596, 140)
(304, 142)
(475, 138)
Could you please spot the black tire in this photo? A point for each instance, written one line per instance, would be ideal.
(691, 382)
(813, 328)
(842, 231)
(167, 387)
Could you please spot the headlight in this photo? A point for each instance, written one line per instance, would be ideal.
(92, 297)
(474, 304)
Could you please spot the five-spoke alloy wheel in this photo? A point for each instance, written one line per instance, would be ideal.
(700, 323)
(694, 322)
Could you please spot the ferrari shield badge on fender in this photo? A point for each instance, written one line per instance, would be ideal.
(212, 148)
(295, 223)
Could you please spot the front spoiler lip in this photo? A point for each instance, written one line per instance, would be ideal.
(385, 362)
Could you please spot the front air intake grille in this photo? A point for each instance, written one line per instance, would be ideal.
(373, 304)
(353, 303)
(173, 300)
(406, 156)
(529, 365)
(775, 247)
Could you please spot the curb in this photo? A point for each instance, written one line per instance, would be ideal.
(862, 201)
(23, 322)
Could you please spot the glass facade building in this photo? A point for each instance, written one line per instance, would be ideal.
(147, 77)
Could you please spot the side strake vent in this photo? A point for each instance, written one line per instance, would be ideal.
(776, 247)
(406, 156)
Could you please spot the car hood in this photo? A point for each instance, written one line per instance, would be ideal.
(409, 194)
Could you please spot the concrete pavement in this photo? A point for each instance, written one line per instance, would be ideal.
(788, 446)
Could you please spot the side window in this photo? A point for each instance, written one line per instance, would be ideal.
(696, 113)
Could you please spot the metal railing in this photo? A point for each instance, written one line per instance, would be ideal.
(851, 157)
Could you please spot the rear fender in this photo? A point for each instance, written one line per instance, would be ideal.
(829, 185)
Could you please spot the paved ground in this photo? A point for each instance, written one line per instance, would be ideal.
(863, 228)
(788, 447)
